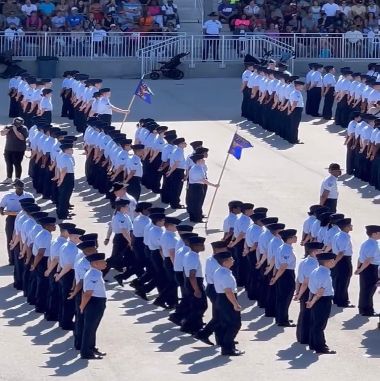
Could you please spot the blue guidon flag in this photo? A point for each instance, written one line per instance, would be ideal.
(144, 92)
(237, 146)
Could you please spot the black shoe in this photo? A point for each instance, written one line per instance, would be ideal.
(374, 314)
(178, 206)
(174, 319)
(326, 352)
(141, 294)
(119, 279)
(158, 303)
(92, 357)
(287, 325)
(99, 353)
(69, 327)
(235, 352)
(135, 283)
(204, 339)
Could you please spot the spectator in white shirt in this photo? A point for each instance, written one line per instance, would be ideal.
(331, 9)
(28, 8)
(170, 12)
(345, 8)
(13, 19)
(211, 30)
(98, 37)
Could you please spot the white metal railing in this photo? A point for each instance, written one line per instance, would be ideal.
(225, 48)
(80, 45)
(159, 51)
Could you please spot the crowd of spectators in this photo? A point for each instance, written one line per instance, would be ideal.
(300, 16)
(97, 16)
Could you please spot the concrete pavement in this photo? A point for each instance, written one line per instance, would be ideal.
(141, 343)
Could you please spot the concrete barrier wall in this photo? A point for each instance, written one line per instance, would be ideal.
(130, 68)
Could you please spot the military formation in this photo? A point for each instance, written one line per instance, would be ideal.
(63, 275)
(273, 99)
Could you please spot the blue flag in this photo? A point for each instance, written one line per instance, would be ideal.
(144, 92)
(237, 145)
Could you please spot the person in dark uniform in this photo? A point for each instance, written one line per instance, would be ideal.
(246, 90)
(251, 244)
(135, 171)
(284, 278)
(168, 242)
(87, 247)
(10, 207)
(315, 90)
(342, 273)
(349, 142)
(329, 188)
(196, 295)
(296, 105)
(182, 248)
(328, 92)
(321, 294)
(234, 209)
(176, 173)
(53, 301)
(65, 276)
(211, 266)
(227, 306)
(92, 306)
(65, 183)
(41, 249)
(273, 246)
(367, 269)
(196, 190)
(305, 268)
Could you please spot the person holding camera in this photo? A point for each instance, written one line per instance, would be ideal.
(15, 146)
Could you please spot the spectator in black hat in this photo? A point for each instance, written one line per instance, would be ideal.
(15, 146)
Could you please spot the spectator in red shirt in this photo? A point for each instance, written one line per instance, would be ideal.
(33, 22)
(97, 9)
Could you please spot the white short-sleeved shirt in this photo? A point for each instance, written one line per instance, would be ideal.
(191, 262)
(211, 266)
(197, 174)
(168, 242)
(308, 224)
(321, 278)
(134, 164)
(42, 241)
(330, 183)
(139, 224)
(296, 96)
(242, 223)
(11, 201)
(93, 281)
(154, 237)
(342, 243)
(370, 249)
(46, 104)
(67, 254)
(264, 240)
(55, 245)
(329, 80)
(229, 222)
(285, 255)
(81, 266)
(252, 235)
(178, 155)
(224, 279)
(121, 221)
(273, 246)
(245, 76)
(179, 258)
(306, 267)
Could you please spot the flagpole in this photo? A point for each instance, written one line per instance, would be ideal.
(129, 107)
(220, 178)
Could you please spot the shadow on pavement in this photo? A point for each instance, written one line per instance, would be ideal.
(297, 356)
